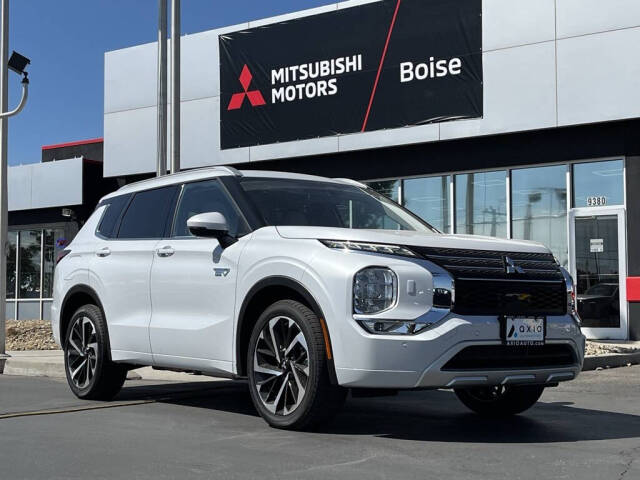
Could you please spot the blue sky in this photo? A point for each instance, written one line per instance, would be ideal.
(66, 41)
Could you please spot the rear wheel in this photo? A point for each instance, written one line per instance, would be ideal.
(90, 373)
(500, 400)
(288, 371)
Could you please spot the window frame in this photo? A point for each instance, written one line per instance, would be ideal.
(170, 208)
(223, 188)
(116, 225)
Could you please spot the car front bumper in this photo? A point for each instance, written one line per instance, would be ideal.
(420, 361)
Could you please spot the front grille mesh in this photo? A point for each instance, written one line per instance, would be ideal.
(483, 286)
(506, 357)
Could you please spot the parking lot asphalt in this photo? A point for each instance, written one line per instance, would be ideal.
(587, 429)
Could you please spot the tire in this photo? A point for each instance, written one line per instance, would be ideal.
(500, 401)
(277, 375)
(99, 378)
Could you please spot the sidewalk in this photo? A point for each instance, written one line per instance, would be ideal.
(50, 363)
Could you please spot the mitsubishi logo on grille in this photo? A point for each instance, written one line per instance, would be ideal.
(510, 266)
(255, 97)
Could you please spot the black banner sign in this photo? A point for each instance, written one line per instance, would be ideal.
(385, 64)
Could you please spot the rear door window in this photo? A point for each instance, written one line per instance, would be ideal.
(148, 214)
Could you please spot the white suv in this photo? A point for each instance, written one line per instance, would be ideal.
(308, 287)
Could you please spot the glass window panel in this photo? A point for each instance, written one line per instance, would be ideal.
(598, 183)
(429, 199)
(29, 310)
(46, 311)
(207, 196)
(11, 265)
(147, 214)
(11, 311)
(481, 204)
(388, 188)
(54, 241)
(539, 207)
(29, 264)
(112, 214)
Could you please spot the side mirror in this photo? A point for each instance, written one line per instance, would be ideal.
(211, 225)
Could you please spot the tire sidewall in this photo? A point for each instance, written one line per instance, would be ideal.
(316, 359)
(515, 400)
(95, 316)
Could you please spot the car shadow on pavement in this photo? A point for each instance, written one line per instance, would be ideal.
(418, 416)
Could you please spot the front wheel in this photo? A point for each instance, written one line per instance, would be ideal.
(288, 371)
(500, 400)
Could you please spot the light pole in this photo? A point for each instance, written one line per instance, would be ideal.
(162, 89)
(17, 63)
(175, 86)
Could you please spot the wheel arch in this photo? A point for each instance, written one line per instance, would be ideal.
(260, 296)
(77, 296)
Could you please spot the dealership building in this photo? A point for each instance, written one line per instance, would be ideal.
(511, 119)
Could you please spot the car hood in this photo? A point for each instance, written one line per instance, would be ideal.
(409, 238)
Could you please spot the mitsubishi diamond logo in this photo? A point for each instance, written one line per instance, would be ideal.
(255, 97)
(510, 267)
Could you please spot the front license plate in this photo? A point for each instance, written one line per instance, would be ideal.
(524, 330)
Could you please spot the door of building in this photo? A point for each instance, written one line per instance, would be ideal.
(598, 265)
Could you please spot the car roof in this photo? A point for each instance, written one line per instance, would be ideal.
(214, 172)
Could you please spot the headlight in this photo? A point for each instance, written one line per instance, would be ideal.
(375, 289)
(369, 247)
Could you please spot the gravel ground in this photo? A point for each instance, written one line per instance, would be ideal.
(29, 335)
(597, 348)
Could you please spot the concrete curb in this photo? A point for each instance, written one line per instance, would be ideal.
(3, 359)
(51, 364)
(610, 360)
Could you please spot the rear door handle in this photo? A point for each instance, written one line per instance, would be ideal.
(165, 251)
(103, 252)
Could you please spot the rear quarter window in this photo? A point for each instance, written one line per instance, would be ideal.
(110, 217)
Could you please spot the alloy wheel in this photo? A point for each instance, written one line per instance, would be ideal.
(281, 365)
(82, 352)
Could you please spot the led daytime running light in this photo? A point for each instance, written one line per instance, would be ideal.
(369, 247)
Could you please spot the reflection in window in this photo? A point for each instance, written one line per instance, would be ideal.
(429, 199)
(11, 265)
(481, 204)
(598, 183)
(539, 207)
(388, 188)
(29, 264)
(53, 242)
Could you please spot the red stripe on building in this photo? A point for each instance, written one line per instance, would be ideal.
(72, 144)
(633, 289)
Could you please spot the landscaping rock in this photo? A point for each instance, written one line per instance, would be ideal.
(29, 335)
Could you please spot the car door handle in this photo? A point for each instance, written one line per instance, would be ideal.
(103, 252)
(165, 251)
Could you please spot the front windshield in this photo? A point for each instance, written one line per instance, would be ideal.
(324, 204)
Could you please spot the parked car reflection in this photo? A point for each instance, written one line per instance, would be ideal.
(599, 306)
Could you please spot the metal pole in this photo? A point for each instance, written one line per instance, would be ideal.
(162, 89)
(175, 86)
(4, 214)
